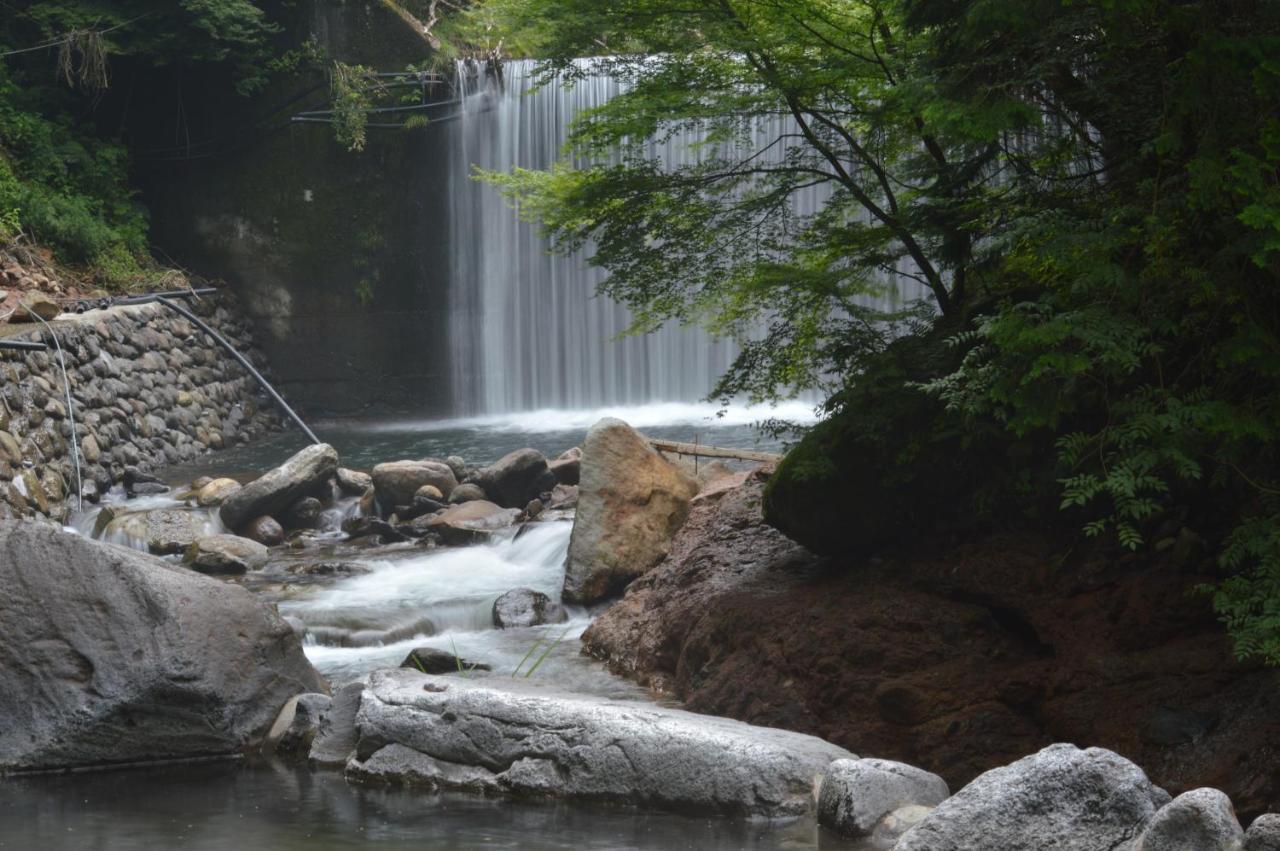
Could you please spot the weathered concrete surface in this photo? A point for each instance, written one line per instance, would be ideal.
(108, 655)
(531, 739)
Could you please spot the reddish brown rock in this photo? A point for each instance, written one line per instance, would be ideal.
(956, 658)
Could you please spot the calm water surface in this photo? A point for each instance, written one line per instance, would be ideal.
(483, 440)
(271, 807)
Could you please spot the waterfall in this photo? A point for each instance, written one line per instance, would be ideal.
(528, 330)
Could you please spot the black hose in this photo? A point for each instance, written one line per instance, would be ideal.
(22, 344)
(182, 311)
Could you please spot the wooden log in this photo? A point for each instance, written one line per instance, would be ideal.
(713, 451)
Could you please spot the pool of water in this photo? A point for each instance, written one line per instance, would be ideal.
(482, 440)
(231, 806)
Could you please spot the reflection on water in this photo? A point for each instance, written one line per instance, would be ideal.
(272, 807)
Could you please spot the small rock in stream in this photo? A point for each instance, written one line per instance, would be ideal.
(213, 493)
(524, 607)
(429, 660)
(266, 531)
(225, 554)
(352, 482)
(328, 568)
(467, 492)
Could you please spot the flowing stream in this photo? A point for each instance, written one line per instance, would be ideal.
(392, 599)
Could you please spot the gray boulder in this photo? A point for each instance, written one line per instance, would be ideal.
(1202, 819)
(216, 491)
(892, 827)
(397, 765)
(299, 722)
(568, 467)
(395, 482)
(1263, 834)
(335, 740)
(226, 554)
(1061, 798)
(524, 607)
(563, 498)
(458, 465)
(471, 522)
(631, 502)
(160, 531)
(264, 530)
(273, 493)
(353, 482)
(466, 492)
(856, 795)
(516, 478)
(531, 739)
(108, 656)
(304, 514)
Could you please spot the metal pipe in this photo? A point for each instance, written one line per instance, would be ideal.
(149, 297)
(71, 410)
(22, 344)
(271, 391)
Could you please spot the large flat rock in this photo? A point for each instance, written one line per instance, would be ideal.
(522, 737)
(108, 655)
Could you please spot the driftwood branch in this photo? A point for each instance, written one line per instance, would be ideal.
(701, 451)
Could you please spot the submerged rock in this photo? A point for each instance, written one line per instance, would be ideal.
(225, 554)
(395, 482)
(857, 794)
(361, 526)
(429, 660)
(329, 568)
(302, 475)
(164, 531)
(108, 655)
(524, 607)
(1062, 798)
(522, 737)
(516, 478)
(471, 522)
(1202, 819)
(631, 502)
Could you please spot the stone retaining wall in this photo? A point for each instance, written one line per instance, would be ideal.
(149, 389)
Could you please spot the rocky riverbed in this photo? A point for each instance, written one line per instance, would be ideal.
(871, 697)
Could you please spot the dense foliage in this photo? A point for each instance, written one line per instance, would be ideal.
(1088, 193)
(63, 180)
